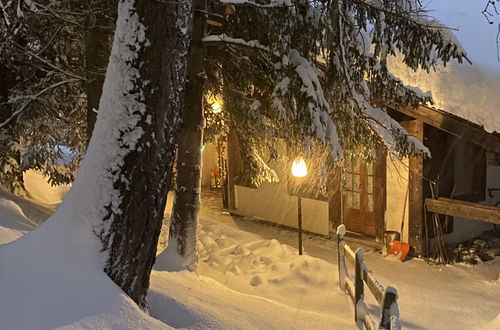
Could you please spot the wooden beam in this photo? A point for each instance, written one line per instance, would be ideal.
(350, 254)
(380, 193)
(466, 210)
(454, 125)
(415, 193)
(375, 287)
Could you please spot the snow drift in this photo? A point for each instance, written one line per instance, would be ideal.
(13, 222)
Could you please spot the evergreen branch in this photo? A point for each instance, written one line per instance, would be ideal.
(271, 5)
(33, 98)
(69, 74)
(378, 120)
(379, 6)
(52, 38)
(4, 14)
(255, 44)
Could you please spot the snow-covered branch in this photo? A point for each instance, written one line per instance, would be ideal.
(318, 108)
(49, 64)
(378, 120)
(29, 99)
(271, 4)
(238, 41)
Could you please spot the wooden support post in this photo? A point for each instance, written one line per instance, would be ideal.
(358, 284)
(299, 222)
(340, 256)
(415, 194)
(389, 308)
(380, 193)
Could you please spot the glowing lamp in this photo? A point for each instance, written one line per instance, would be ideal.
(299, 168)
(216, 107)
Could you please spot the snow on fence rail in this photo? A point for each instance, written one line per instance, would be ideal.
(387, 298)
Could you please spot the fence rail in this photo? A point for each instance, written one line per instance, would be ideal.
(355, 288)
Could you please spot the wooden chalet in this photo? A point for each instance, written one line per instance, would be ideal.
(390, 194)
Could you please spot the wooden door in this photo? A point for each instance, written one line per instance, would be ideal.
(359, 197)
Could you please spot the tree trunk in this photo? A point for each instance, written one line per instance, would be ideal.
(97, 49)
(126, 173)
(181, 252)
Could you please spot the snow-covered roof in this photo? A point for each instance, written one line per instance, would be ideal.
(471, 92)
(466, 91)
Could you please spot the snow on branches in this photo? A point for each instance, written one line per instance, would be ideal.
(271, 4)
(353, 40)
(305, 77)
(317, 107)
(238, 41)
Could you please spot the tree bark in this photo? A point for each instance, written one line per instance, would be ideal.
(97, 49)
(181, 251)
(137, 125)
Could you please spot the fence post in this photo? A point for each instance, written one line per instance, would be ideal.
(389, 318)
(340, 256)
(358, 287)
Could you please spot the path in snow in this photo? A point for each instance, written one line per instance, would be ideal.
(444, 297)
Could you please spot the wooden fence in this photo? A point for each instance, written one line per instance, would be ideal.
(354, 287)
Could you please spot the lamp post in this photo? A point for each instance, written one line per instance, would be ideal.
(299, 170)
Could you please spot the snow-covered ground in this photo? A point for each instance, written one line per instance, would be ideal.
(430, 297)
(51, 277)
(249, 277)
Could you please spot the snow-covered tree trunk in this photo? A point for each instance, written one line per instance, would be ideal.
(122, 185)
(181, 251)
(96, 59)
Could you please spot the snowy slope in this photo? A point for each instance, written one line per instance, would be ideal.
(13, 222)
(42, 191)
(247, 279)
(255, 278)
(261, 267)
(430, 297)
(50, 278)
(186, 301)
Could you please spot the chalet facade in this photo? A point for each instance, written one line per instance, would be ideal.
(392, 194)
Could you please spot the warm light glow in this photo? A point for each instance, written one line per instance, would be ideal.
(216, 107)
(299, 168)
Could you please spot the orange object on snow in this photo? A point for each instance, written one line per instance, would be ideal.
(400, 249)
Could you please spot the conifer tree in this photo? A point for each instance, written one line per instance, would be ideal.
(181, 250)
(121, 187)
(311, 73)
(49, 75)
